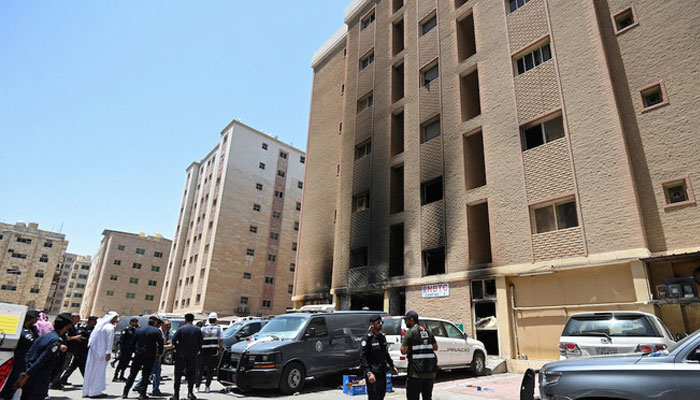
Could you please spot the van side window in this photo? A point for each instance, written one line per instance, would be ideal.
(436, 328)
(452, 331)
(352, 325)
(320, 325)
(254, 327)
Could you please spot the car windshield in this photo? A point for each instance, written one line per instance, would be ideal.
(392, 326)
(231, 330)
(283, 327)
(175, 324)
(610, 325)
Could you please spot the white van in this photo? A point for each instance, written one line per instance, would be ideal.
(613, 332)
(455, 348)
(11, 323)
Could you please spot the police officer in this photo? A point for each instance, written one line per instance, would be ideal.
(375, 359)
(41, 361)
(148, 342)
(212, 348)
(420, 345)
(27, 337)
(126, 348)
(187, 341)
(80, 350)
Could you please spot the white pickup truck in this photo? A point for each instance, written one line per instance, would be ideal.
(11, 321)
(455, 348)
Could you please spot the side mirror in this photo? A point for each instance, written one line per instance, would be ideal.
(310, 333)
(465, 335)
(680, 336)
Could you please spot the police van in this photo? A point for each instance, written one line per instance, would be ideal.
(294, 346)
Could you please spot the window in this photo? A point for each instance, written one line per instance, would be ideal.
(267, 303)
(141, 251)
(149, 297)
(542, 132)
(244, 300)
(366, 60)
(556, 216)
(397, 33)
(85, 267)
(290, 289)
(261, 165)
(431, 191)
(19, 255)
(429, 24)
(296, 226)
(624, 20)
(259, 186)
(113, 277)
(367, 21)
(13, 271)
(466, 41)
(653, 97)
(396, 250)
(136, 266)
(363, 149)
(397, 82)
(360, 202)
(479, 234)
(36, 290)
(678, 192)
(264, 146)
(256, 207)
(358, 257)
(134, 281)
(253, 229)
(278, 194)
(276, 215)
(533, 58)
(397, 133)
(40, 274)
(300, 185)
(430, 130)
(110, 293)
(365, 103)
(292, 267)
(474, 162)
(302, 159)
(280, 173)
(46, 244)
(246, 275)
(80, 286)
(298, 206)
(78, 295)
(283, 154)
(396, 190)
(44, 258)
(294, 246)
(117, 262)
(274, 236)
(250, 252)
(515, 4)
(469, 95)
(318, 325)
(152, 283)
(9, 286)
(270, 280)
(24, 240)
(158, 254)
(131, 295)
(434, 261)
(430, 74)
(155, 268)
(271, 257)
(396, 5)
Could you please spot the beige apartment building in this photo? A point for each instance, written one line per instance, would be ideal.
(126, 275)
(54, 302)
(506, 163)
(74, 291)
(236, 238)
(29, 258)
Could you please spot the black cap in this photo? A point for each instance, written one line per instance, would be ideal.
(32, 314)
(154, 318)
(411, 315)
(92, 318)
(375, 318)
(65, 316)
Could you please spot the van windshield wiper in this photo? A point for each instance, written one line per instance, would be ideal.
(592, 333)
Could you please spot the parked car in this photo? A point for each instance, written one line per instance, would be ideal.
(613, 332)
(670, 374)
(455, 348)
(294, 346)
(242, 330)
(13, 317)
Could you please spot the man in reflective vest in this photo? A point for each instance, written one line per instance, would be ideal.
(420, 345)
(212, 348)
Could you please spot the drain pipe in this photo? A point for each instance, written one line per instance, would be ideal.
(515, 318)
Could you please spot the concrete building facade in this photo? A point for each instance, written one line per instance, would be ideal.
(29, 258)
(495, 164)
(126, 275)
(59, 283)
(74, 292)
(236, 238)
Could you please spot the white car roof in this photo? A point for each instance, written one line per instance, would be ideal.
(616, 312)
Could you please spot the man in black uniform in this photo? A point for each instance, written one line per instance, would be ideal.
(420, 345)
(148, 341)
(41, 361)
(27, 337)
(375, 359)
(126, 348)
(187, 341)
(80, 350)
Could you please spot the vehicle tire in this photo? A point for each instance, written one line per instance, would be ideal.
(168, 358)
(478, 365)
(292, 379)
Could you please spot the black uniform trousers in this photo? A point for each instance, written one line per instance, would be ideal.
(37, 387)
(415, 387)
(64, 360)
(78, 362)
(207, 366)
(124, 358)
(188, 368)
(377, 390)
(143, 363)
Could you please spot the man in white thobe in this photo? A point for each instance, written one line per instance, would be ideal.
(99, 353)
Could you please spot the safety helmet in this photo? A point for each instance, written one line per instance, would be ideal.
(213, 316)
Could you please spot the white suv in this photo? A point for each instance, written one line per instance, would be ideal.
(613, 332)
(455, 348)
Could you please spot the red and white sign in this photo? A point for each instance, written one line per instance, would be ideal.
(436, 290)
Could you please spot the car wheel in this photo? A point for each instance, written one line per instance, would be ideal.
(478, 365)
(292, 379)
(168, 358)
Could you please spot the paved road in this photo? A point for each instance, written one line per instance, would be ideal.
(449, 386)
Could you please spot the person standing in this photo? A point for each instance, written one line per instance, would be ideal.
(212, 348)
(41, 360)
(80, 350)
(148, 342)
(157, 364)
(27, 337)
(375, 359)
(99, 353)
(70, 341)
(126, 348)
(187, 341)
(420, 345)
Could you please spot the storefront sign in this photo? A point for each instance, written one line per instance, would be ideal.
(436, 290)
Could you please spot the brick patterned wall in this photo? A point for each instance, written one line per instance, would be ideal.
(424, 7)
(366, 39)
(527, 24)
(428, 47)
(365, 81)
(431, 159)
(558, 244)
(432, 221)
(429, 96)
(537, 92)
(364, 125)
(363, 175)
(360, 229)
(548, 170)
(456, 307)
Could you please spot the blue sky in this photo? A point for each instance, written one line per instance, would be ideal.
(103, 104)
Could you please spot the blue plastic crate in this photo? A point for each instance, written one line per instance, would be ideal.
(355, 390)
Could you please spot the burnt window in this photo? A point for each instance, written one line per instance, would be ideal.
(434, 261)
(431, 191)
(358, 257)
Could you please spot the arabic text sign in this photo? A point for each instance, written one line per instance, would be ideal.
(436, 290)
